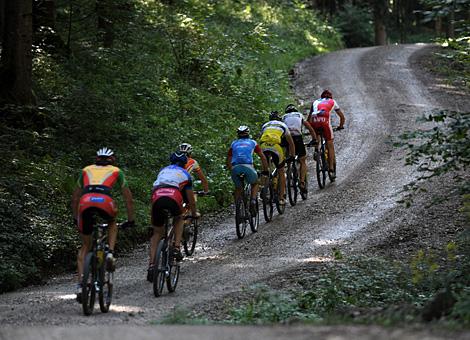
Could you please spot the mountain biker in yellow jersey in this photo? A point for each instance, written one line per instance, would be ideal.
(240, 161)
(319, 118)
(193, 165)
(294, 121)
(274, 134)
(93, 196)
(171, 189)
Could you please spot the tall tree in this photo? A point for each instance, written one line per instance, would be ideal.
(16, 57)
(380, 10)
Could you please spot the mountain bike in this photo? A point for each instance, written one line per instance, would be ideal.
(293, 181)
(166, 269)
(243, 216)
(96, 279)
(191, 227)
(321, 159)
(270, 192)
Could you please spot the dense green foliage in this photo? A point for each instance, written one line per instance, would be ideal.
(191, 72)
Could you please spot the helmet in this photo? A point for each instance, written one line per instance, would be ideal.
(178, 158)
(274, 115)
(243, 131)
(326, 94)
(105, 152)
(290, 108)
(185, 148)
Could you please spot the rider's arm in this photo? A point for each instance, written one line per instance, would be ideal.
(129, 203)
(291, 145)
(229, 159)
(310, 129)
(75, 200)
(191, 201)
(264, 161)
(342, 119)
(204, 182)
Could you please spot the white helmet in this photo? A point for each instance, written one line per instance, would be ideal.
(243, 130)
(185, 148)
(105, 152)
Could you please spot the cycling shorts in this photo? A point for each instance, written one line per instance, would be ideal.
(166, 198)
(299, 146)
(93, 205)
(277, 150)
(248, 170)
(323, 127)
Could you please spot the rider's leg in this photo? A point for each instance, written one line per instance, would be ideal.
(254, 190)
(86, 246)
(282, 182)
(331, 155)
(178, 223)
(112, 234)
(303, 168)
(154, 240)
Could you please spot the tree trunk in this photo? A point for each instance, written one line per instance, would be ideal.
(380, 13)
(2, 18)
(451, 19)
(105, 23)
(16, 58)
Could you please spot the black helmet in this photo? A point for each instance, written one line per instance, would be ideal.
(326, 94)
(243, 131)
(274, 115)
(178, 158)
(290, 108)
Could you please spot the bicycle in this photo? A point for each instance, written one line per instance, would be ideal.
(270, 192)
(293, 181)
(166, 269)
(191, 228)
(321, 159)
(243, 215)
(96, 279)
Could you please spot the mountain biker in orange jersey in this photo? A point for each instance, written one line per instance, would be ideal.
(294, 121)
(171, 189)
(93, 196)
(193, 165)
(275, 134)
(319, 118)
(240, 161)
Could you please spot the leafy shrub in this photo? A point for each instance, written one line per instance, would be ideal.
(355, 24)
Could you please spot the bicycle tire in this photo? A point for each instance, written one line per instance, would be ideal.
(161, 267)
(173, 275)
(320, 166)
(240, 220)
(88, 284)
(267, 199)
(254, 220)
(190, 237)
(105, 294)
(281, 208)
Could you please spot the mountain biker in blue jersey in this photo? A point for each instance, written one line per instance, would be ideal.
(240, 161)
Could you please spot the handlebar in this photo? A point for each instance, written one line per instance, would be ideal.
(337, 128)
(202, 193)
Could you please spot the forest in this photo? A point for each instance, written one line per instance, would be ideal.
(142, 76)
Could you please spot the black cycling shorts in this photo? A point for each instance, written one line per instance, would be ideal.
(161, 204)
(299, 146)
(89, 218)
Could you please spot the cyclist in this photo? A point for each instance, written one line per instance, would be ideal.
(319, 118)
(171, 189)
(294, 121)
(193, 165)
(274, 135)
(93, 197)
(240, 161)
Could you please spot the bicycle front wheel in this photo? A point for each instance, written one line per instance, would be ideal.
(291, 179)
(106, 289)
(321, 167)
(240, 218)
(267, 198)
(190, 237)
(254, 220)
(88, 284)
(280, 207)
(161, 268)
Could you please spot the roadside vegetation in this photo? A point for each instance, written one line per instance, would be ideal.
(191, 71)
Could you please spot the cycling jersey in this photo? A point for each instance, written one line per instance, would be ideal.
(173, 176)
(242, 149)
(192, 165)
(273, 131)
(294, 121)
(102, 175)
(320, 116)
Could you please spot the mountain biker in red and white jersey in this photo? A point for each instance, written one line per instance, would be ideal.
(294, 121)
(193, 166)
(319, 118)
(171, 189)
(93, 197)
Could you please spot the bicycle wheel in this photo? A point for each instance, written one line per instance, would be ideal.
(161, 268)
(240, 217)
(173, 275)
(321, 165)
(88, 284)
(190, 237)
(280, 207)
(291, 180)
(254, 220)
(106, 288)
(267, 199)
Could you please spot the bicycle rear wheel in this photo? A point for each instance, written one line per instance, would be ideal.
(280, 207)
(161, 268)
(291, 180)
(105, 294)
(240, 217)
(321, 167)
(254, 220)
(190, 237)
(88, 284)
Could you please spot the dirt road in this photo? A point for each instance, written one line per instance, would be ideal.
(381, 97)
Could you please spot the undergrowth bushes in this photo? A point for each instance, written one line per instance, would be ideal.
(191, 71)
